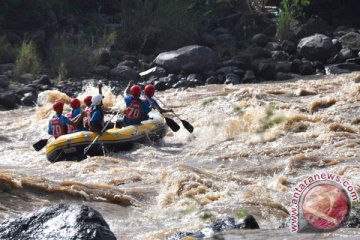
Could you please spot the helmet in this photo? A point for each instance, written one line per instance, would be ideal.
(149, 90)
(135, 90)
(87, 100)
(96, 100)
(58, 106)
(75, 103)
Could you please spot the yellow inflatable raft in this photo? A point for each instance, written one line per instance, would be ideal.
(71, 146)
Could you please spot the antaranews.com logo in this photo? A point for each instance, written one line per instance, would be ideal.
(321, 202)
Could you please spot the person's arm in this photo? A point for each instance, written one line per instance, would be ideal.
(95, 118)
(50, 128)
(76, 120)
(157, 106)
(127, 89)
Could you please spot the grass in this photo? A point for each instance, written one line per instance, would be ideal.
(28, 60)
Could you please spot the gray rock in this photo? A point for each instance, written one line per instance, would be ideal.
(4, 81)
(124, 73)
(219, 31)
(279, 55)
(128, 63)
(26, 78)
(224, 37)
(9, 100)
(306, 68)
(192, 58)
(61, 222)
(226, 70)
(43, 80)
(289, 46)
(315, 25)
(281, 76)
(101, 70)
(266, 70)
(351, 40)
(7, 67)
(212, 80)
(344, 54)
(317, 47)
(29, 99)
(103, 56)
(156, 72)
(232, 78)
(341, 68)
(208, 39)
(273, 46)
(249, 77)
(260, 39)
(283, 66)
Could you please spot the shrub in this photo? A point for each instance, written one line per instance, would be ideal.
(7, 52)
(289, 10)
(72, 56)
(28, 60)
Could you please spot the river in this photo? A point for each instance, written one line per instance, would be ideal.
(251, 145)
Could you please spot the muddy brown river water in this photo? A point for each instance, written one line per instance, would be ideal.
(251, 145)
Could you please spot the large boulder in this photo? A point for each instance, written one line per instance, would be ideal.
(192, 58)
(312, 26)
(4, 81)
(60, 222)
(124, 73)
(351, 40)
(316, 48)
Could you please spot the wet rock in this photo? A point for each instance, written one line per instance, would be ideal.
(61, 222)
(124, 73)
(281, 76)
(9, 100)
(353, 60)
(266, 70)
(289, 46)
(7, 67)
(129, 63)
(260, 39)
(312, 26)
(232, 78)
(192, 58)
(212, 80)
(208, 39)
(26, 78)
(342, 68)
(43, 80)
(29, 99)
(306, 68)
(283, 67)
(295, 65)
(227, 69)
(317, 47)
(351, 40)
(279, 55)
(103, 56)
(4, 81)
(249, 222)
(101, 70)
(249, 77)
(224, 37)
(343, 55)
(25, 89)
(273, 46)
(156, 72)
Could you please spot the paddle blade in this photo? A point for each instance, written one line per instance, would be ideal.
(40, 144)
(172, 124)
(188, 126)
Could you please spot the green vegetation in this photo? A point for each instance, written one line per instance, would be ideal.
(240, 213)
(289, 10)
(28, 60)
(208, 101)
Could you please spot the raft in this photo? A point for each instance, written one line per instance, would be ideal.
(70, 147)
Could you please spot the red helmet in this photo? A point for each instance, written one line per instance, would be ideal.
(87, 100)
(149, 90)
(58, 106)
(75, 103)
(135, 90)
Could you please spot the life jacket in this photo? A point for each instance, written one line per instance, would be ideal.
(86, 118)
(70, 128)
(133, 111)
(99, 124)
(57, 128)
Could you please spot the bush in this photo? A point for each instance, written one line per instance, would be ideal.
(289, 10)
(28, 60)
(7, 52)
(72, 56)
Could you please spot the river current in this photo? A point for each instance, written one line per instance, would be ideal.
(251, 145)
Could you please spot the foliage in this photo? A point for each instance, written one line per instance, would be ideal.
(108, 39)
(269, 120)
(7, 52)
(289, 10)
(72, 55)
(28, 60)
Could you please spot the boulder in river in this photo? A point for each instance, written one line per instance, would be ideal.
(192, 59)
(60, 222)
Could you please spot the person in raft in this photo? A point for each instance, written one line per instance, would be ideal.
(58, 123)
(96, 114)
(76, 110)
(136, 108)
(149, 91)
(87, 110)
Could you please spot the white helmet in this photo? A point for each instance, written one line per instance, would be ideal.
(96, 100)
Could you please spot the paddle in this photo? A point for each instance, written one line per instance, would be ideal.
(40, 144)
(171, 123)
(185, 123)
(86, 149)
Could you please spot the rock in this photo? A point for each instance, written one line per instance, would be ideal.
(279, 56)
(61, 222)
(25, 89)
(342, 30)
(156, 72)
(128, 63)
(43, 80)
(281, 76)
(341, 68)
(7, 67)
(29, 99)
(306, 68)
(224, 37)
(312, 26)
(353, 60)
(26, 78)
(249, 222)
(260, 39)
(295, 65)
(249, 77)
(4, 81)
(9, 100)
(124, 73)
(343, 55)
(101, 70)
(212, 80)
(232, 78)
(219, 31)
(317, 47)
(351, 40)
(283, 67)
(266, 70)
(289, 46)
(226, 70)
(273, 46)
(208, 39)
(103, 56)
(192, 58)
